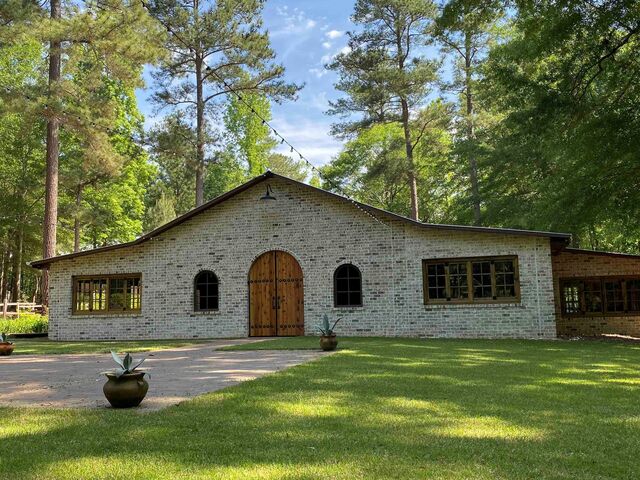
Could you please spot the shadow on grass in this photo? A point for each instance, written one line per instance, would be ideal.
(382, 409)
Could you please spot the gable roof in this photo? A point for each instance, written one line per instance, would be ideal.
(562, 237)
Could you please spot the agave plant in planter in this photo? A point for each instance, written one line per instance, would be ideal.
(126, 386)
(6, 347)
(328, 339)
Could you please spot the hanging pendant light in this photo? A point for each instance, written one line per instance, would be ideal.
(268, 195)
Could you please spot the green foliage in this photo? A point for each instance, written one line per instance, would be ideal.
(160, 212)
(385, 75)
(385, 64)
(216, 47)
(25, 323)
(225, 173)
(326, 329)
(126, 365)
(563, 156)
(21, 159)
(173, 150)
(249, 138)
(105, 197)
(371, 166)
(466, 29)
(288, 166)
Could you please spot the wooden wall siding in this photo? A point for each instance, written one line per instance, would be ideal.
(572, 264)
(276, 296)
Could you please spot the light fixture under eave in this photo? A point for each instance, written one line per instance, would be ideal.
(268, 195)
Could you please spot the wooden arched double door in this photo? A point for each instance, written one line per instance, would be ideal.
(276, 296)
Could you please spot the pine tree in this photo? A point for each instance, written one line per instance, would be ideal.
(385, 75)
(214, 47)
(248, 136)
(87, 44)
(466, 28)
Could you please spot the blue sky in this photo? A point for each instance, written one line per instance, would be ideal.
(305, 35)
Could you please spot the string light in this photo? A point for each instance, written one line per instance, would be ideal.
(292, 149)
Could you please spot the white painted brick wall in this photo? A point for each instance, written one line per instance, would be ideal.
(321, 232)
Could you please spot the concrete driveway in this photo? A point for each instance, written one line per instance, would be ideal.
(74, 380)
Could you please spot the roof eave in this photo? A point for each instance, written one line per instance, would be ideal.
(162, 228)
(563, 237)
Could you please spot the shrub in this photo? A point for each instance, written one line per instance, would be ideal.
(26, 323)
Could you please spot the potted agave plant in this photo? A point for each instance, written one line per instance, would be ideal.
(6, 347)
(328, 339)
(126, 386)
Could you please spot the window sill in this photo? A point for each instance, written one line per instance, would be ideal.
(204, 313)
(600, 315)
(346, 309)
(106, 314)
(442, 306)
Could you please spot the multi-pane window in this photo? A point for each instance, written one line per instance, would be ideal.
(571, 297)
(505, 278)
(633, 295)
(593, 295)
(458, 280)
(437, 283)
(107, 294)
(347, 286)
(482, 279)
(205, 291)
(600, 295)
(614, 302)
(466, 280)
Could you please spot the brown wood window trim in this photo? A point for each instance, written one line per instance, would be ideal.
(601, 285)
(102, 294)
(470, 298)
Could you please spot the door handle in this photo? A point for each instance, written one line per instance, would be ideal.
(274, 302)
(278, 302)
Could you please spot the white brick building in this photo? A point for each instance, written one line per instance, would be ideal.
(398, 277)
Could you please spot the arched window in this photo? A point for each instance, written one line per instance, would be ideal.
(205, 291)
(347, 286)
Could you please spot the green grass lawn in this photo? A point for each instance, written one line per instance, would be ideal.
(28, 346)
(379, 408)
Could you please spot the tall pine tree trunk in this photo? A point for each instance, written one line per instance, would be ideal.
(53, 147)
(411, 167)
(200, 127)
(17, 265)
(76, 221)
(3, 274)
(471, 134)
(199, 135)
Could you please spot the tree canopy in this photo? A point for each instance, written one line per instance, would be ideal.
(517, 114)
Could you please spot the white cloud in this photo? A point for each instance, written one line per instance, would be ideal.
(318, 72)
(310, 137)
(333, 34)
(294, 22)
(326, 45)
